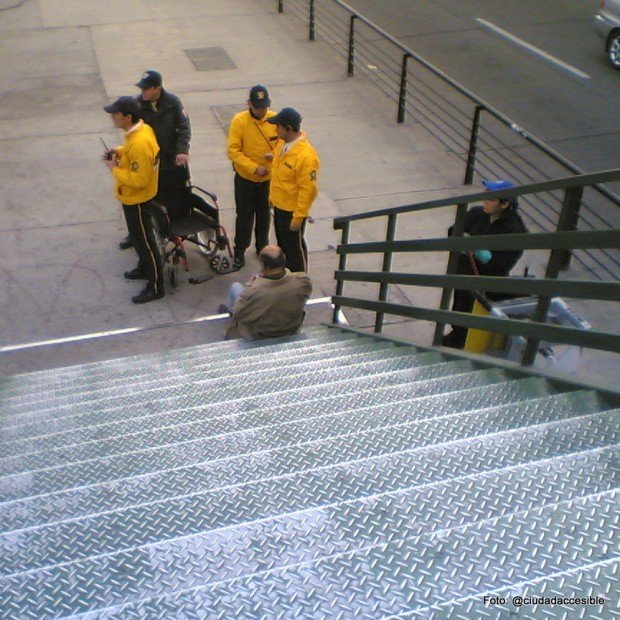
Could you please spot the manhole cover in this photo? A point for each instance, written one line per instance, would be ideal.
(210, 59)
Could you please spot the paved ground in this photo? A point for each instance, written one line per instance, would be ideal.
(60, 62)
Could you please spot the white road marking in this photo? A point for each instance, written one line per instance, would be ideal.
(131, 330)
(532, 49)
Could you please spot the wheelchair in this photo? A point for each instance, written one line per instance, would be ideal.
(191, 214)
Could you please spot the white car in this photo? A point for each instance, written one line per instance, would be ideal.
(607, 23)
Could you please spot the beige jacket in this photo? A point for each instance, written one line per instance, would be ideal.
(270, 308)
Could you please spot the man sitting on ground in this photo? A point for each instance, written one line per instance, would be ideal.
(272, 303)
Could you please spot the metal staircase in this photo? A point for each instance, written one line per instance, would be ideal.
(330, 475)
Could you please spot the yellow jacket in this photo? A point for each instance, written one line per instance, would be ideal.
(137, 171)
(293, 178)
(248, 141)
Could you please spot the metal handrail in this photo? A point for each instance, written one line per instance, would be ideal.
(575, 289)
(561, 242)
(531, 188)
(570, 240)
(593, 339)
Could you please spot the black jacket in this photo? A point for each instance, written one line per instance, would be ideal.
(477, 222)
(170, 124)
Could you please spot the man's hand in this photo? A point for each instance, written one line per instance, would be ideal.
(110, 163)
(268, 156)
(261, 171)
(295, 226)
(181, 159)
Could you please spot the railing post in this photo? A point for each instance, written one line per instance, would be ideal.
(453, 260)
(312, 22)
(572, 196)
(569, 218)
(402, 94)
(342, 265)
(387, 266)
(351, 55)
(473, 145)
(280, 6)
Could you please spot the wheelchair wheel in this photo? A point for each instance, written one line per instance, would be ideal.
(205, 238)
(221, 263)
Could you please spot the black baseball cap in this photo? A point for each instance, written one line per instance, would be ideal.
(287, 117)
(149, 79)
(259, 96)
(125, 105)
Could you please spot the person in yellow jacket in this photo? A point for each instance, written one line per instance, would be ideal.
(250, 138)
(135, 167)
(293, 186)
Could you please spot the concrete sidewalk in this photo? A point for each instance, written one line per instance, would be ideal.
(61, 271)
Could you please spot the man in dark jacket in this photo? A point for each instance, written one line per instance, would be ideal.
(164, 112)
(496, 217)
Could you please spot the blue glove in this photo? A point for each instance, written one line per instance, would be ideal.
(483, 256)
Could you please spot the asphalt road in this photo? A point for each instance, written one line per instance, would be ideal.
(576, 114)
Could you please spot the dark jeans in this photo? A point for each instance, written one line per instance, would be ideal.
(141, 223)
(252, 203)
(292, 242)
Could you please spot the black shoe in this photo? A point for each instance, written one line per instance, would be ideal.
(146, 295)
(126, 243)
(453, 340)
(135, 274)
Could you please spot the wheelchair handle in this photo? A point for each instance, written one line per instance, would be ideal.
(206, 192)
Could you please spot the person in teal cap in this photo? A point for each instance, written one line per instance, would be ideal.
(497, 216)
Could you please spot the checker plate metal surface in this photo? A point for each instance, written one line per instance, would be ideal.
(219, 420)
(188, 479)
(184, 371)
(309, 535)
(184, 404)
(599, 580)
(328, 475)
(153, 460)
(412, 572)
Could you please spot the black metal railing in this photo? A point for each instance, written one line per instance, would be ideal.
(563, 240)
(490, 144)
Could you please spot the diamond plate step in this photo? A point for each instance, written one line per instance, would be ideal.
(321, 532)
(42, 437)
(104, 469)
(33, 437)
(230, 442)
(176, 516)
(223, 389)
(196, 473)
(188, 403)
(186, 371)
(413, 572)
(56, 376)
(204, 374)
(354, 358)
(601, 579)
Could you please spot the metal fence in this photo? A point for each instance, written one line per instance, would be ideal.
(489, 143)
(558, 243)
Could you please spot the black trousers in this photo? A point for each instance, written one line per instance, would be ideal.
(292, 242)
(172, 191)
(141, 223)
(463, 302)
(252, 203)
